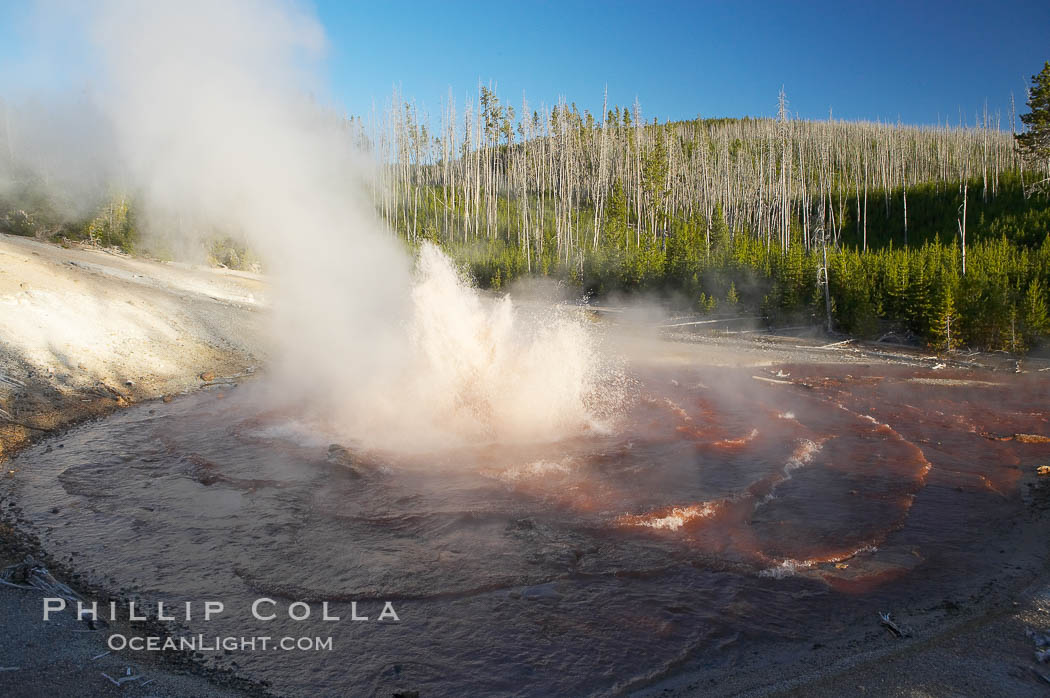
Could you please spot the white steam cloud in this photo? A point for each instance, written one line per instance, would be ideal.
(208, 107)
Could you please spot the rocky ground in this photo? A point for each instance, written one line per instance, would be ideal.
(83, 332)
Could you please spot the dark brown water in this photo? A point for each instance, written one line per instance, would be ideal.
(726, 522)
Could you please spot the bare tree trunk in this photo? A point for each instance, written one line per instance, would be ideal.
(962, 227)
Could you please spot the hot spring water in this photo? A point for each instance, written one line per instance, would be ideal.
(717, 522)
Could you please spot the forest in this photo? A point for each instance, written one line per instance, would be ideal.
(938, 234)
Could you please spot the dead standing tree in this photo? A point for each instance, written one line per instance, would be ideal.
(552, 182)
(823, 280)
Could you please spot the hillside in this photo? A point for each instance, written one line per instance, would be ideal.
(755, 212)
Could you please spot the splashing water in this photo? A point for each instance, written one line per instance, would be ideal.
(485, 370)
(672, 520)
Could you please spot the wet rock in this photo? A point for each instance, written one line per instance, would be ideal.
(1023, 438)
(545, 592)
(868, 570)
(339, 455)
(204, 471)
(352, 463)
(1040, 638)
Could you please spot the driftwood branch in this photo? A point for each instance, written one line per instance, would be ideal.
(887, 622)
(30, 574)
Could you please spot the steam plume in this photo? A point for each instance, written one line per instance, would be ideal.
(207, 105)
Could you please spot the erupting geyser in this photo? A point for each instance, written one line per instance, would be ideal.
(206, 113)
(486, 371)
(474, 370)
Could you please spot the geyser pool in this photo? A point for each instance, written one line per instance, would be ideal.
(723, 523)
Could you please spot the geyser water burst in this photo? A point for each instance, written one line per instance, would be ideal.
(482, 369)
(495, 372)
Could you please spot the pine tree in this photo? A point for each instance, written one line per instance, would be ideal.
(616, 217)
(919, 304)
(944, 332)
(718, 231)
(683, 253)
(654, 181)
(1035, 319)
(1034, 144)
(731, 297)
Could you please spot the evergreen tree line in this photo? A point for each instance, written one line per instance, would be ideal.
(918, 291)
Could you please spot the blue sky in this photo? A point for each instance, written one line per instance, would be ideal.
(919, 61)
